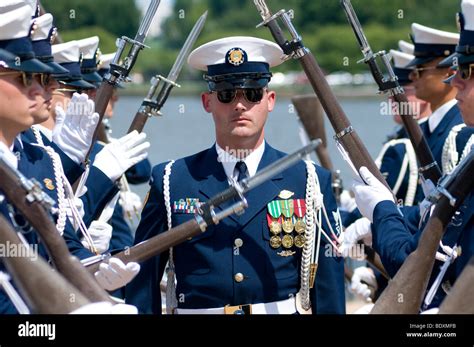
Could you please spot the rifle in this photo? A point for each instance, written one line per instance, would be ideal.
(310, 113)
(411, 280)
(45, 291)
(207, 214)
(345, 133)
(460, 299)
(120, 68)
(28, 197)
(150, 107)
(428, 166)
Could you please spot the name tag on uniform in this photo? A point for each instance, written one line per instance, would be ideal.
(186, 206)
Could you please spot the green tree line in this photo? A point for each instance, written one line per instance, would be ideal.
(321, 23)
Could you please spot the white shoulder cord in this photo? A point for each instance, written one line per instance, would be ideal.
(58, 178)
(12, 294)
(450, 156)
(65, 195)
(467, 148)
(171, 301)
(409, 161)
(310, 254)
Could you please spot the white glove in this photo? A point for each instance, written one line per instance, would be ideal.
(360, 229)
(118, 156)
(368, 195)
(130, 202)
(365, 309)
(105, 307)
(75, 128)
(101, 233)
(433, 310)
(347, 201)
(363, 274)
(116, 274)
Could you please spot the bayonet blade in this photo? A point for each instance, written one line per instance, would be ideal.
(146, 21)
(263, 9)
(352, 16)
(188, 45)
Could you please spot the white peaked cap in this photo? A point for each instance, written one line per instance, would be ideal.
(427, 35)
(88, 47)
(467, 7)
(400, 59)
(66, 52)
(41, 27)
(15, 17)
(214, 52)
(105, 60)
(406, 47)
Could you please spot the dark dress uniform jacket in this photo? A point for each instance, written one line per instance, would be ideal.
(206, 265)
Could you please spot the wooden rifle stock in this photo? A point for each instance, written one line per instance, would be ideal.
(45, 290)
(138, 122)
(460, 299)
(104, 94)
(339, 121)
(41, 221)
(156, 244)
(412, 278)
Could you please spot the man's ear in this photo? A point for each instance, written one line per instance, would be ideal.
(206, 101)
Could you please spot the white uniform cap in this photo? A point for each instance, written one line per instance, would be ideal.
(406, 47)
(400, 59)
(88, 47)
(427, 35)
(215, 52)
(467, 7)
(66, 52)
(15, 16)
(41, 27)
(105, 60)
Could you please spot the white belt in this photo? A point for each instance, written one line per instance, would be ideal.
(287, 306)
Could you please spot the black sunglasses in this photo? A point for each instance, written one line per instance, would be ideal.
(252, 95)
(28, 77)
(465, 71)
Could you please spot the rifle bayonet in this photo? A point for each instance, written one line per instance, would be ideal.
(152, 104)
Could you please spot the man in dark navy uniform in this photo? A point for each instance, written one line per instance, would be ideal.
(391, 236)
(250, 263)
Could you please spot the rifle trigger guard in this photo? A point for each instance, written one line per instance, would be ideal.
(343, 133)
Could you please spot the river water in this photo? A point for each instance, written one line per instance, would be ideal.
(185, 128)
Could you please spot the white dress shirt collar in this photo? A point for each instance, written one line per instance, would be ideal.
(438, 115)
(228, 160)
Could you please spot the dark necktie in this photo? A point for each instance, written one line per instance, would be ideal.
(241, 169)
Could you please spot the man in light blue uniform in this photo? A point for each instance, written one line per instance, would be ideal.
(249, 263)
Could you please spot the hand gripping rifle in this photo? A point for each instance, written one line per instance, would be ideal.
(152, 104)
(45, 290)
(120, 67)
(428, 166)
(294, 48)
(411, 280)
(207, 215)
(30, 200)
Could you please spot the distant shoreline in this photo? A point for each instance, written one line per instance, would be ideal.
(195, 88)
